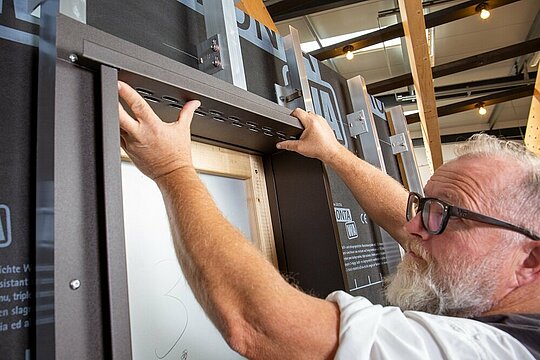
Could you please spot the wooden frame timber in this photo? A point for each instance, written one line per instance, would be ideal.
(214, 160)
(532, 135)
(418, 50)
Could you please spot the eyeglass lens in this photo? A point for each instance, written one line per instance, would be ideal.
(432, 215)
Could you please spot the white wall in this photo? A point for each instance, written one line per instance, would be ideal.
(166, 320)
(421, 159)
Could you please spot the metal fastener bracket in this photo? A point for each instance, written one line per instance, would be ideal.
(209, 53)
(357, 123)
(399, 143)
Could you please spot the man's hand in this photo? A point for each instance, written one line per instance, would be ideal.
(318, 139)
(155, 147)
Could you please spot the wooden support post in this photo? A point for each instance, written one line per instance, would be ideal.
(415, 36)
(532, 135)
(257, 10)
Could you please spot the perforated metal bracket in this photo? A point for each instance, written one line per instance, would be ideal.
(209, 53)
(399, 143)
(357, 123)
(285, 96)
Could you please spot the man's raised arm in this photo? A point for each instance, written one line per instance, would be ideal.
(258, 313)
(383, 198)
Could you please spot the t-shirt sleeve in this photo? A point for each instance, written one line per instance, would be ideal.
(370, 331)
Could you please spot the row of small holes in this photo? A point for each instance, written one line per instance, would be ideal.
(217, 115)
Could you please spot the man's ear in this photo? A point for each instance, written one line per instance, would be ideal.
(529, 269)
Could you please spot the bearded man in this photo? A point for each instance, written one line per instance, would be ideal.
(468, 286)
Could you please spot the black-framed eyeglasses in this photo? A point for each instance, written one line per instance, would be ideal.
(436, 213)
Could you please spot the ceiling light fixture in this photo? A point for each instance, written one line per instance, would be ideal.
(482, 8)
(348, 50)
(481, 109)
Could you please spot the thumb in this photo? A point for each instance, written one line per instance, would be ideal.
(186, 114)
(290, 145)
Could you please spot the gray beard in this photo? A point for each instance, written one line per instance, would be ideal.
(463, 288)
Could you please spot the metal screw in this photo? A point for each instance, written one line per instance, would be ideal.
(73, 58)
(216, 62)
(214, 47)
(75, 284)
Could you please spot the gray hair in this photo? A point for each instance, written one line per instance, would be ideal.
(524, 198)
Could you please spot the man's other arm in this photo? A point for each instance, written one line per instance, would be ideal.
(383, 198)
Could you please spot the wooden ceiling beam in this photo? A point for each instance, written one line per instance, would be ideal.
(289, 9)
(471, 104)
(532, 135)
(453, 67)
(257, 10)
(418, 50)
(433, 19)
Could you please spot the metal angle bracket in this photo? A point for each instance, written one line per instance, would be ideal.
(209, 53)
(357, 123)
(399, 143)
(285, 96)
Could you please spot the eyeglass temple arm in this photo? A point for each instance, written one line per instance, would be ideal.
(466, 214)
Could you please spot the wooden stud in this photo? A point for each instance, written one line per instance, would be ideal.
(417, 47)
(532, 135)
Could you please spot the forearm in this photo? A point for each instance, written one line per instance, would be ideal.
(246, 298)
(383, 198)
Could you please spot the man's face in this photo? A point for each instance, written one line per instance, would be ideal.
(460, 271)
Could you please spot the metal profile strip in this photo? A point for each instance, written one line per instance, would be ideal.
(297, 70)
(220, 18)
(410, 165)
(369, 139)
(119, 321)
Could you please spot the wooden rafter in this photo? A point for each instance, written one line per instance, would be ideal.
(471, 104)
(436, 18)
(460, 65)
(532, 135)
(418, 50)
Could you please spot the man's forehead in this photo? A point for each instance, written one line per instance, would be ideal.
(452, 182)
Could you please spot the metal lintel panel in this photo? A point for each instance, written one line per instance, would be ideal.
(118, 315)
(399, 124)
(251, 123)
(220, 19)
(369, 139)
(433, 19)
(460, 65)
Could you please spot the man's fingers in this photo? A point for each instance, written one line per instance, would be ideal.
(127, 123)
(186, 114)
(301, 115)
(136, 103)
(291, 145)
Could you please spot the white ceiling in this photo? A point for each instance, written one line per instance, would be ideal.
(507, 25)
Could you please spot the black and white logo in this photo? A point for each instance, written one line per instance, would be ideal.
(5, 226)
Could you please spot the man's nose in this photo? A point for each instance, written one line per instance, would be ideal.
(416, 227)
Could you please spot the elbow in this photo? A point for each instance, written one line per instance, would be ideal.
(239, 337)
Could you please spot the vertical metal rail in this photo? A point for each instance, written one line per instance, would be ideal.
(297, 91)
(363, 124)
(220, 19)
(402, 144)
(118, 301)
